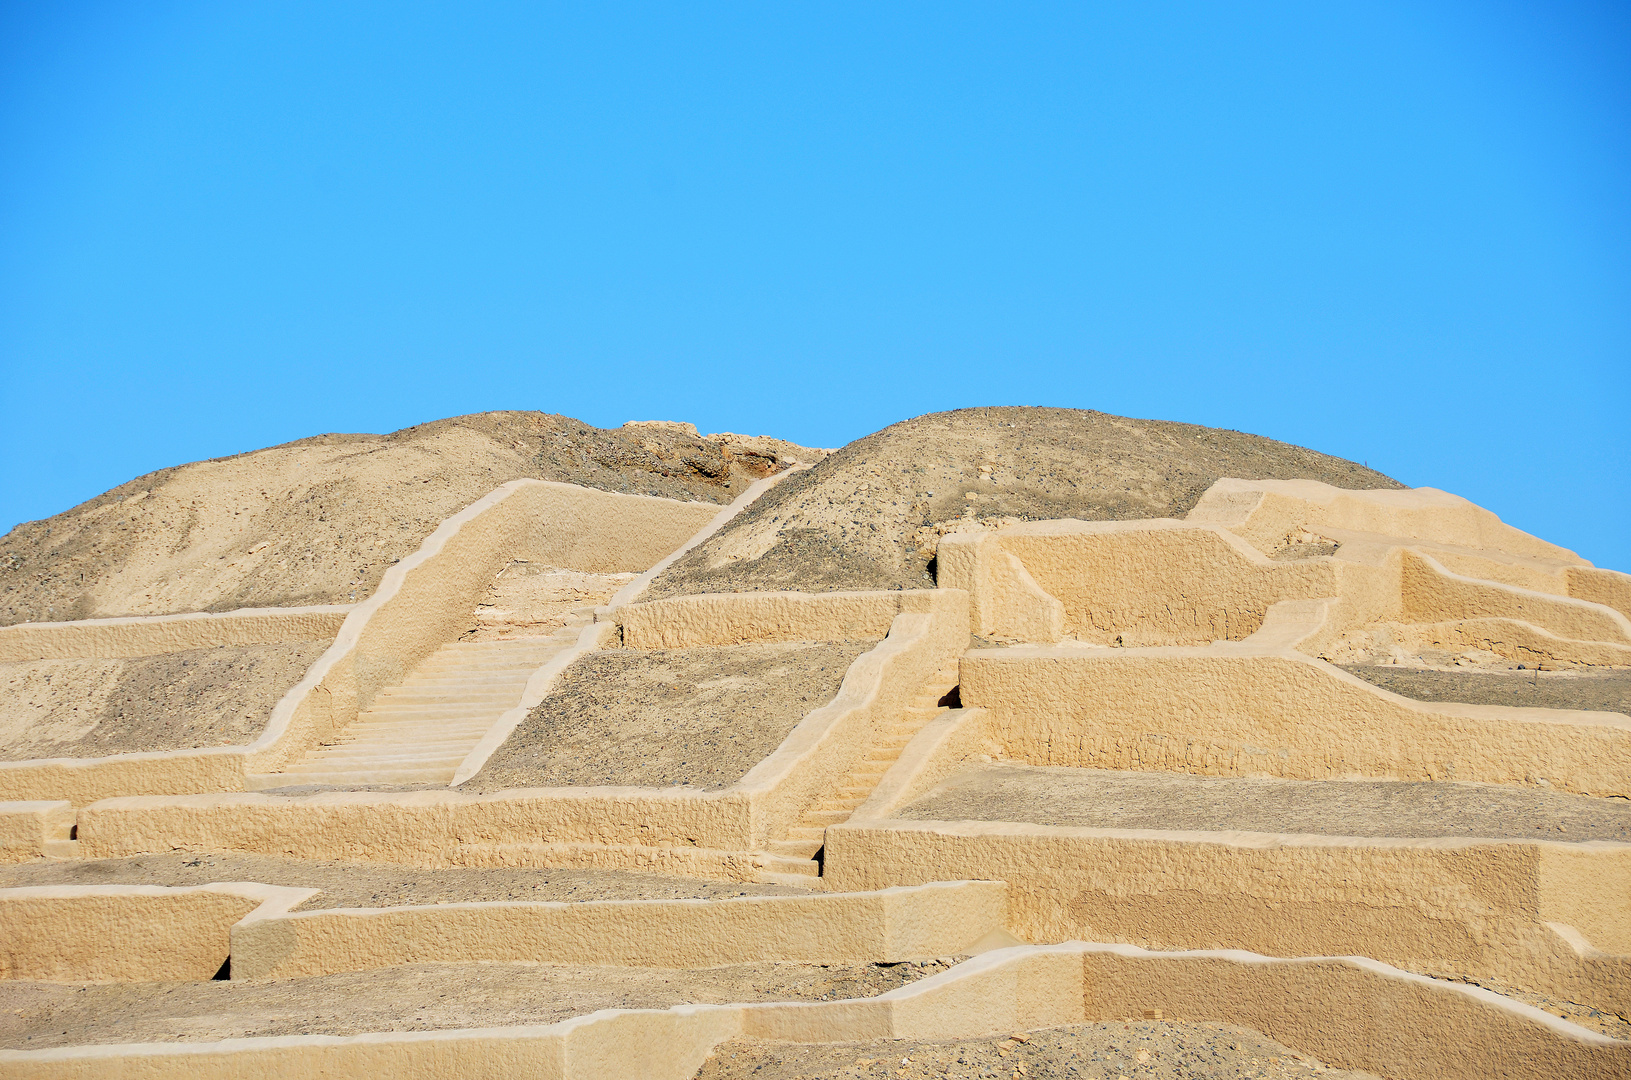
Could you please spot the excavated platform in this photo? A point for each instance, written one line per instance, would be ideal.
(417, 997)
(1178, 802)
(372, 885)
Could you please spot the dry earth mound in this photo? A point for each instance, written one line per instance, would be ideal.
(319, 520)
(868, 516)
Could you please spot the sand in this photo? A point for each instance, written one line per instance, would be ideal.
(701, 717)
(868, 516)
(319, 521)
(1111, 799)
(173, 701)
(1146, 1049)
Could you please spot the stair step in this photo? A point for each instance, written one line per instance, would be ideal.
(795, 849)
(508, 665)
(421, 729)
(503, 650)
(369, 776)
(808, 832)
(472, 728)
(430, 724)
(824, 817)
(383, 733)
(430, 695)
(369, 758)
(781, 864)
(450, 710)
(454, 682)
(428, 716)
(835, 803)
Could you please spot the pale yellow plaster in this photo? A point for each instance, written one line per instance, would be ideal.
(128, 933)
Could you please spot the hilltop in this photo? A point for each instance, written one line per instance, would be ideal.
(319, 520)
(868, 516)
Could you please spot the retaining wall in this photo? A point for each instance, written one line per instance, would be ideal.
(686, 829)
(29, 829)
(1430, 593)
(1465, 908)
(684, 622)
(1225, 711)
(133, 933)
(880, 685)
(1350, 1012)
(1265, 512)
(884, 927)
(128, 933)
(152, 635)
(421, 603)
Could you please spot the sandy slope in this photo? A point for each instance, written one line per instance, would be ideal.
(172, 701)
(702, 716)
(868, 516)
(318, 521)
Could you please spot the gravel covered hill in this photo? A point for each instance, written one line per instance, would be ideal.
(868, 516)
(318, 521)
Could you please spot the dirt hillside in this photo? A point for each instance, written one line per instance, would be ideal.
(868, 516)
(702, 716)
(172, 701)
(318, 521)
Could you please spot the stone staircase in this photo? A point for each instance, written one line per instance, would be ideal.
(421, 730)
(791, 860)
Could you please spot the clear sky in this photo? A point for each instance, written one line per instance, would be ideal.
(1397, 232)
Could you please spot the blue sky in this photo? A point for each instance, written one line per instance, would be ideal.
(1397, 232)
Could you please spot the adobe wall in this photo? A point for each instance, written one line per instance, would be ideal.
(1393, 1022)
(891, 926)
(128, 933)
(1467, 908)
(683, 829)
(155, 634)
(422, 602)
(1223, 712)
